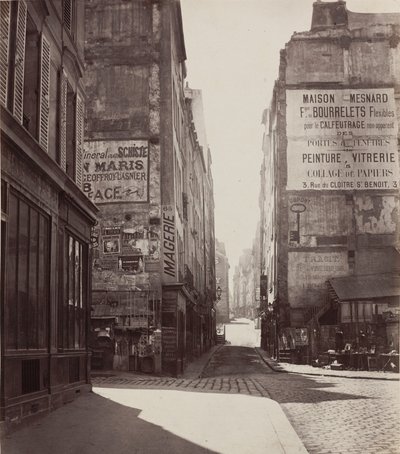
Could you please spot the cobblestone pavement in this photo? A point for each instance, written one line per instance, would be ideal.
(330, 414)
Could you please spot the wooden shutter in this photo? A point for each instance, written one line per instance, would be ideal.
(4, 49)
(19, 69)
(79, 128)
(67, 15)
(44, 98)
(63, 121)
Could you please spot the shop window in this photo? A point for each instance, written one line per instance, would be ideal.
(27, 277)
(73, 313)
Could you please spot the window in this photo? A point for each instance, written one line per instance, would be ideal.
(27, 277)
(25, 70)
(5, 18)
(70, 131)
(53, 113)
(30, 82)
(72, 134)
(68, 15)
(73, 313)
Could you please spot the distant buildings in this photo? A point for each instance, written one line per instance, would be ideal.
(147, 166)
(245, 282)
(222, 283)
(329, 198)
(45, 217)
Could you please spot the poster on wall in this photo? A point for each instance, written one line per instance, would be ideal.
(111, 244)
(132, 264)
(116, 171)
(342, 139)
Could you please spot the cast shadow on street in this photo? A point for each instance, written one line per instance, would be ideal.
(93, 424)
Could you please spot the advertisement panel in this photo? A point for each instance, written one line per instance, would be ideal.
(308, 273)
(116, 171)
(342, 139)
(169, 243)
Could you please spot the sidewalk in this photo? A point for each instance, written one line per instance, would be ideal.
(309, 370)
(193, 370)
(153, 421)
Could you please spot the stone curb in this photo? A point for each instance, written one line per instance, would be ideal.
(278, 368)
(198, 374)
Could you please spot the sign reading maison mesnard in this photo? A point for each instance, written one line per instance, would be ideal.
(169, 242)
(342, 139)
(116, 171)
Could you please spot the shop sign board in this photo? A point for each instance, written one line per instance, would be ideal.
(168, 243)
(116, 171)
(342, 139)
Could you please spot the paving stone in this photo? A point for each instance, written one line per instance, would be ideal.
(330, 414)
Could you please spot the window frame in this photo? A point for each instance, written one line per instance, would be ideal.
(73, 313)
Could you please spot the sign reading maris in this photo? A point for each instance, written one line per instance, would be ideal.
(116, 171)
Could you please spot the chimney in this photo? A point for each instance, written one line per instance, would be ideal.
(329, 14)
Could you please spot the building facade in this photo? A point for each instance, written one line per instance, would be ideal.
(330, 200)
(245, 284)
(142, 161)
(222, 281)
(45, 217)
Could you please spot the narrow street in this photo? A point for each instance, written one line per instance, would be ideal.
(169, 415)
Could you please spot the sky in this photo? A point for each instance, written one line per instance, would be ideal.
(232, 51)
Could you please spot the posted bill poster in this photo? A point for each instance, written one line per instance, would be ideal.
(116, 171)
(342, 139)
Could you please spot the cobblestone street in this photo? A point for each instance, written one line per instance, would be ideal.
(331, 415)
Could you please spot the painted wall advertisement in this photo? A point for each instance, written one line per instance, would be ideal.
(116, 171)
(169, 243)
(342, 139)
(308, 273)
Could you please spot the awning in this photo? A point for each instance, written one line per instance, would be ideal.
(365, 287)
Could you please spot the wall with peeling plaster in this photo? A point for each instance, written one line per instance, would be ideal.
(358, 229)
(123, 103)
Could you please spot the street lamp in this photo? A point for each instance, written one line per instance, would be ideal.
(219, 293)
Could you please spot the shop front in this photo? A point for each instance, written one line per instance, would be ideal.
(365, 332)
(124, 331)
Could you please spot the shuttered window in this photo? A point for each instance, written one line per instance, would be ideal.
(19, 61)
(5, 17)
(63, 121)
(44, 103)
(79, 128)
(68, 14)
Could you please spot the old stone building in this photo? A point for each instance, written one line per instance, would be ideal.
(145, 169)
(222, 282)
(245, 284)
(45, 217)
(329, 200)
